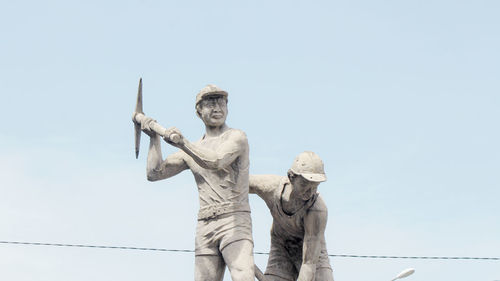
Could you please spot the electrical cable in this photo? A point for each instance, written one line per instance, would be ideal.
(256, 253)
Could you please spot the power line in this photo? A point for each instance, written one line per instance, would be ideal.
(416, 257)
(94, 246)
(256, 253)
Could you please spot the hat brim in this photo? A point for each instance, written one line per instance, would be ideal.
(203, 96)
(314, 177)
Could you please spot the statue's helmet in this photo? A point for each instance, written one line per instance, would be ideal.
(210, 90)
(309, 165)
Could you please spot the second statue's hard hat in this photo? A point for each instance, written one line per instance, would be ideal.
(309, 165)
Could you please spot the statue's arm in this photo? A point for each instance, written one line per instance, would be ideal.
(263, 185)
(223, 156)
(314, 226)
(157, 169)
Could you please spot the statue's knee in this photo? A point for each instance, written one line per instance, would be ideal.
(242, 273)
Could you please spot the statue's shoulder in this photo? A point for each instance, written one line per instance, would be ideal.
(319, 204)
(274, 181)
(267, 186)
(236, 133)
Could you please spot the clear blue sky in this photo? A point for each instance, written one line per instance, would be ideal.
(400, 98)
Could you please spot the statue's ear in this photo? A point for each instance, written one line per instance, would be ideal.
(198, 110)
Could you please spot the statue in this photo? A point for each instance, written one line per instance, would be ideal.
(219, 162)
(298, 247)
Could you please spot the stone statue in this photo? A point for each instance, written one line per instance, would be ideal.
(219, 162)
(298, 247)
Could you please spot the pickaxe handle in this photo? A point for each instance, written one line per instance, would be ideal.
(157, 128)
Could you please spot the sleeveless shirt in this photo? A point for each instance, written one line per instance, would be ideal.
(223, 190)
(288, 227)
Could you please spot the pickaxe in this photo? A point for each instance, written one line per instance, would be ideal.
(138, 116)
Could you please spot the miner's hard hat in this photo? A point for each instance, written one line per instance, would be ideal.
(309, 165)
(210, 90)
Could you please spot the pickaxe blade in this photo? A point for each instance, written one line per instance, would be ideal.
(138, 117)
(137, 126)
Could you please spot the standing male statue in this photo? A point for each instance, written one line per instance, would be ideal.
(219, 162)
(298, 247)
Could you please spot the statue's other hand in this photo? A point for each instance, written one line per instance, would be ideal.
(173, 136)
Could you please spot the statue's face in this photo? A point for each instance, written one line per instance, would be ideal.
(213, 111)
(306, 189)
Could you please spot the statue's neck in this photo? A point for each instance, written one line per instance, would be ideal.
(214, 131)
(290, 200)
